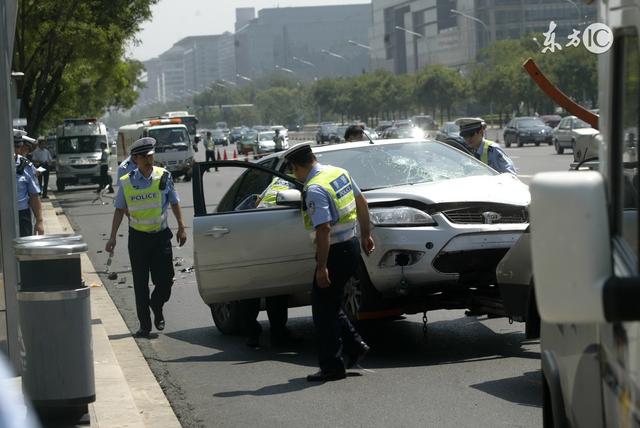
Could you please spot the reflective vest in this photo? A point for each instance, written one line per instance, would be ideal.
(337, 182)
(277, 185)
(484, 156)
(145, 205)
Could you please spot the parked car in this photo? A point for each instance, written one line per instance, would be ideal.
(325, 132)
(403, 123)
(525, 130)
(439, 225)
(551, 120)
(564, 135)
(219, 137)
(449, 129)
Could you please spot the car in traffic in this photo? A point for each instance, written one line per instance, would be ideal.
(448, 130)
(382, 125)
(564, 136)
(236, 134)
(551, 120)
(248, 142)
(326, 132)
(402, 132)
(219, 137)
(439, 225)
(526, 130)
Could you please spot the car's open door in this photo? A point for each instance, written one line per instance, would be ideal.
(242, 250)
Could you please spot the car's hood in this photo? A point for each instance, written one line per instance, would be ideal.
(535, 128)
(501, 189)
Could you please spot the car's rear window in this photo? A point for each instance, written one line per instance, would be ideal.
(387, 165)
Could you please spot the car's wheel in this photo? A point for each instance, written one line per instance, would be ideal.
(360, 294)
(518, 142)
(547, 406)
(234, 317)
(559, 150)
(537, 143)
(507, 142)
(60, 185)
(187, 175)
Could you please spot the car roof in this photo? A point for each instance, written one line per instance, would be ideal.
(173, 125)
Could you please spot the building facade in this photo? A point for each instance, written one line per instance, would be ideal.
(407, 35)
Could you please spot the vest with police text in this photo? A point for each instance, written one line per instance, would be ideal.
(145, 205)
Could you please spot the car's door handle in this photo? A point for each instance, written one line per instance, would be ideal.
(217, 231)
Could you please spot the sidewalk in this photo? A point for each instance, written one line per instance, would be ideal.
(127, 393)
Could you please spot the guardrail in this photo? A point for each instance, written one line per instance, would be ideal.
(302, 136)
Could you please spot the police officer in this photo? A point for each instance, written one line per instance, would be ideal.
(125, 167)
(27, 189)
(146, 193)
(278, 141)
(42, 158)
(332, 205)
(490, 153)
(105, 178)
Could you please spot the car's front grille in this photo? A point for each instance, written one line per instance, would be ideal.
(487, 215)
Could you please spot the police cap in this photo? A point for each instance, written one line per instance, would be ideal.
(143, 146)
(20, 137)
(298, 153)
(469, 125)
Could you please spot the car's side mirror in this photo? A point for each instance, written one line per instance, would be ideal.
(570, 246)
(289, 198)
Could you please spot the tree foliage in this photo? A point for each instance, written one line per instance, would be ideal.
(72, 55)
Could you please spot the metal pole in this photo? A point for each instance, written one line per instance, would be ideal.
(8, 214)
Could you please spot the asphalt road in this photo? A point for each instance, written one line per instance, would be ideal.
(465, 371)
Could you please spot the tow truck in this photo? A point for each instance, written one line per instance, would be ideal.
(585, 255)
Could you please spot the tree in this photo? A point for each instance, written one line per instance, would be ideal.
(72, 55)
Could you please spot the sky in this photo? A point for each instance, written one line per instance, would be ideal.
(173, 20)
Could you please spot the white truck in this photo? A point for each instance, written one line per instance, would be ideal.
(78, 152)
(585, 253)
(174, 150)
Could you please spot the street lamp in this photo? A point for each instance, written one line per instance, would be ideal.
(229, 82)
(333, 54)
(473, 18)
(240, 76)
(354, 43)
(288, 70)
(416, 36)
(577, 9)
(302, 61)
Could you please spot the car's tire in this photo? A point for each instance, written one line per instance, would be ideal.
(507, 142)
(360, 294)
(233, 318)
(537, 143)
(559, 149)
(547, 405)
(60, 185)
(188, 175)
(518, 142)
(532, 317)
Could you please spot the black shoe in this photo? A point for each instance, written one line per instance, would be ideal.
(158, 318)
(357, 355)
(144, 334)
(321, 376)
(111, 190)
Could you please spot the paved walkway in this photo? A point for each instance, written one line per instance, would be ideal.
(127, 393)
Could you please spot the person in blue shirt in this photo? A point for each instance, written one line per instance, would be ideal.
(333, 204)
(146, 193)
(490, 153)
(27, 188)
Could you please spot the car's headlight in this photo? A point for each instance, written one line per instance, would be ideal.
(400, 216)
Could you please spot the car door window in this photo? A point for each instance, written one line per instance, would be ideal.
(624, 131)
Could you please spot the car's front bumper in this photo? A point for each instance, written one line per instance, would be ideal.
(532, 139)
(438, 257)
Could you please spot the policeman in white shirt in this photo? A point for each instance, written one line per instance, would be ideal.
(42, 158)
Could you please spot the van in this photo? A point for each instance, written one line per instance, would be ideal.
(78, 152)
(174, 150)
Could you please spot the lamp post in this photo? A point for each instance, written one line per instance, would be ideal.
(305, 62)
(288, 70)
(333, 54)
(360, 45)
(473, 18)
(240, 76)
(577, 9)
(416, 36)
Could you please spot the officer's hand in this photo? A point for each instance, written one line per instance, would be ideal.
(38, 228)
(181, 236)
(368, 245)
(322, 278)
(111, 244)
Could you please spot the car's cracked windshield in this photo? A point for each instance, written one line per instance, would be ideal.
(375, 167)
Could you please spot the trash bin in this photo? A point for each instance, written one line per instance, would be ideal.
(55, 325)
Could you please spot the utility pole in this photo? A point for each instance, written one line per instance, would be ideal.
(8, 213)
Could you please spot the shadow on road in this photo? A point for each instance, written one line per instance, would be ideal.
(525, 390)
(292, 385)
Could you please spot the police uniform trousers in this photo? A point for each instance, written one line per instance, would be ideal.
(333, 328)
(24, 222)
(150, 253)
